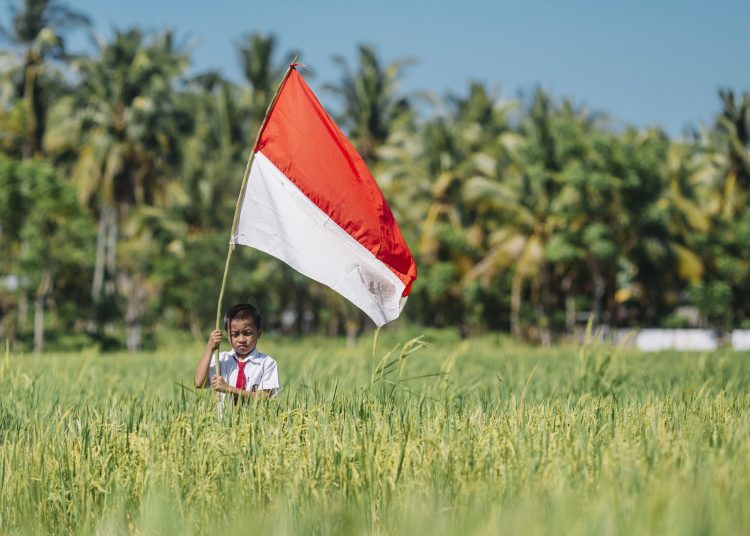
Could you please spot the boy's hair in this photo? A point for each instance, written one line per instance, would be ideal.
(243, 311)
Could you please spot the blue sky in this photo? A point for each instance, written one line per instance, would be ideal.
(645, 63)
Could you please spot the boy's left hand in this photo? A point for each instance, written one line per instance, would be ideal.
(218, 384)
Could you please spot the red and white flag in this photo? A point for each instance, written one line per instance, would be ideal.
(312, 203)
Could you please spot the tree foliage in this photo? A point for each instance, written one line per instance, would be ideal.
(525, 214)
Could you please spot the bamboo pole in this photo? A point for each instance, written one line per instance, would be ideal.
(240, 198)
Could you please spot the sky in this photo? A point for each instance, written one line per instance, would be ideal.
(644, 63)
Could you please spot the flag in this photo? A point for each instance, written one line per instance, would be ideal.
(312, 203)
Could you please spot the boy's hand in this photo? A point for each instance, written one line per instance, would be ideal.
(214, 339)
(218, 384)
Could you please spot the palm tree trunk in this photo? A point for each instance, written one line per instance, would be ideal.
(352, 329)
(106, 252)
(45, 286)
(23, 310)
(29, 98)
(600, 286)
(195, 326)
(516, 288)
(570, 305)
(135, 305)
(98, 282)
(111, 247)
(543, 318)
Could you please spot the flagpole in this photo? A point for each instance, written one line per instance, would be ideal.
(236, 219)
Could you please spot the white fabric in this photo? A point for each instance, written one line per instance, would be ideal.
(261, 371)
(741, 339)
(278, 218)
(654, 340)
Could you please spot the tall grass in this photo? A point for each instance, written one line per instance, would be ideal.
(463, 436)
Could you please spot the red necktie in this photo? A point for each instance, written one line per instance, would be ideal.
(241, 380)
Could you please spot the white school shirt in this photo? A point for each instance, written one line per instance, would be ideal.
(260, 371)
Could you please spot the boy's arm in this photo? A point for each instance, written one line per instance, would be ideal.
(270, 379)
(218, 384)
(201, 371)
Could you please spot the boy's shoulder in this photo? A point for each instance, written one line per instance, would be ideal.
(260, 356)
(256, 355)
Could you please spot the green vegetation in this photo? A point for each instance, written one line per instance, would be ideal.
(478, 436)
(118, 178)
(119, 173)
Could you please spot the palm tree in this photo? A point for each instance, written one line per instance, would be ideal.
(262, 72)
(733, 131)
(426, 176)
(126, 121)
(710, 210)
(227, 117)
(38, 29)
(517, 205)
(372, 106)
(214, 152)
(13, 138)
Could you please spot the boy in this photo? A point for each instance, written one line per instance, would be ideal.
(246, 373)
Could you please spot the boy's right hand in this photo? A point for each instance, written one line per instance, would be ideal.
(214, 339)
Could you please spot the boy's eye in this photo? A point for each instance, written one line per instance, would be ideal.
(245, 333)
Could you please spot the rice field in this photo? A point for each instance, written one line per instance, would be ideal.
(425, 435)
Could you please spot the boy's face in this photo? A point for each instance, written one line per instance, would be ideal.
(243, 335)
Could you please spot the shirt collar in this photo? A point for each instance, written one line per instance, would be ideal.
(254, 355)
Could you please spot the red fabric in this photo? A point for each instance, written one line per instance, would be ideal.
(241, 379)
(304, 143)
